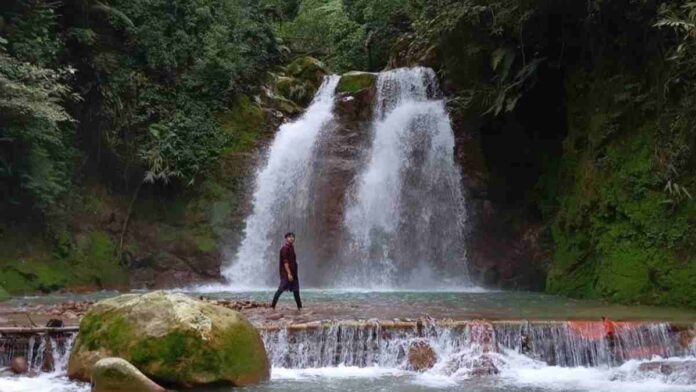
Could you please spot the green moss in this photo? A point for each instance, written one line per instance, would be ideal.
(615, 235)
(247, 357)
(94, 261)
(107, 330)
(204, 241)
(242, 123)
(352, 82)
(307, 68)
(4, 294)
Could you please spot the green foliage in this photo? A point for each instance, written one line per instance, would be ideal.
(243, 124)
(615, 235)
(347, 34)
(36, 133)
(323, 28)
(185, 62)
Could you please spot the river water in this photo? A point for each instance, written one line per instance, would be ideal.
(345, 355)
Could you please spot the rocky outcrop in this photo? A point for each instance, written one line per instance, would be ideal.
(173, 339)
(338, 158)
(118, 375)
(354, 81)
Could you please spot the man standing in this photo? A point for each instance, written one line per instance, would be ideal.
(289, 280)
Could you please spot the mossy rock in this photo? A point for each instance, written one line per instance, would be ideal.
(307, 68)
(118, 375)
(354, 81)
(173, 339)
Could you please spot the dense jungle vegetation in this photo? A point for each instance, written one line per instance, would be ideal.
(125, 125)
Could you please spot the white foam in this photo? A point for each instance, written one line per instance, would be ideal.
(522, 371)
(339, 372)
(47, 382)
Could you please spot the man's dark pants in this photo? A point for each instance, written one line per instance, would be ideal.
(285, 285)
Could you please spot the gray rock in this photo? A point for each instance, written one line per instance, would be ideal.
(119, 375)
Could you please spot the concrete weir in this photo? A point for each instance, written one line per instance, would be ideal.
(364, 343)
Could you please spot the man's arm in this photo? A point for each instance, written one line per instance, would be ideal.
(287, 269)
(286, 262)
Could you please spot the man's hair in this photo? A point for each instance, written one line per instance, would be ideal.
(288, 234)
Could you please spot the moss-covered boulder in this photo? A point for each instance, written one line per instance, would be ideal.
(301, 80)
(307, 68)
(173, 339)
(354, 81)
(118, 375)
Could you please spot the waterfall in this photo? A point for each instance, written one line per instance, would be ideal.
(282, 194)
(406, 219)
(383, 215)
(458, 347)
(43, 352)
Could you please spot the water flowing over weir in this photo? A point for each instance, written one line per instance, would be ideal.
(43, 352)
(365, 200)
(459, 344)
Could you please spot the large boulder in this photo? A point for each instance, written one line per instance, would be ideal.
(173, 339)
(118, 375)
(354, 81)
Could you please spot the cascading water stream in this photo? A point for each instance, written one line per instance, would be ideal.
(513, 354)
(282, 193)
(405, 223)
(401, 216)
(566, 344)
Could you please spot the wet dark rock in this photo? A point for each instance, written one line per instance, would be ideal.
(421, 356)
(55, 323)
(19, 365)
(483, 366)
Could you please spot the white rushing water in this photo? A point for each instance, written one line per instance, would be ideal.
(553, 357)
(403, 215)
(282, 192)
(406, 219)
(542, 357)
(54, 380)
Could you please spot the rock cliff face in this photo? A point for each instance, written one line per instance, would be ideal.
(338, 159)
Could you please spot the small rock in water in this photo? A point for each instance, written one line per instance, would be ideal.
(683, 372)
(484, 366)
(421, 356)
(19, 365)
(119, 375)
(276, 316)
